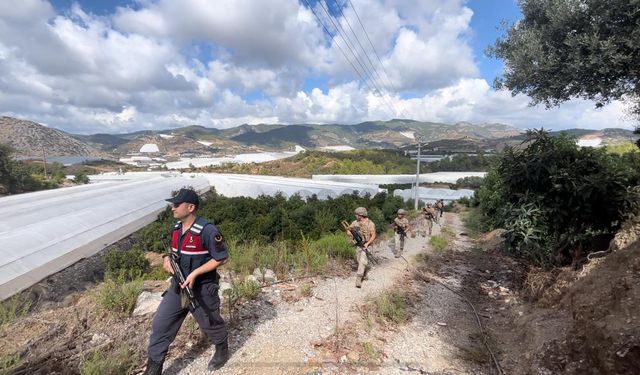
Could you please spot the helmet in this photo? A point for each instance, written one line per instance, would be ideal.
(361, 211)
(429, 204)
(402, 212)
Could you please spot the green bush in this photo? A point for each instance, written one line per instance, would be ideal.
(558, 201)
(118, 297)
(126, 264)
(99, 363)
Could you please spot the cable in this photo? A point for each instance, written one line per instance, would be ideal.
(369, 83)
(384, 70)
(340, 48)
(366, 55)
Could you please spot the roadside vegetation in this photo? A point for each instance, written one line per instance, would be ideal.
(558, 202)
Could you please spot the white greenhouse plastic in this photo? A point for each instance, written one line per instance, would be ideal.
(448, 177)
(237, 185)
(44, 232)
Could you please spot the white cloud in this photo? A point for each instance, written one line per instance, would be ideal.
(169, 63)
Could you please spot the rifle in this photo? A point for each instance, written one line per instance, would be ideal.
(359, 242)
(399, 228)
(179, 276)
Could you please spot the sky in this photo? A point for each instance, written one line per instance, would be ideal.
(116, 66)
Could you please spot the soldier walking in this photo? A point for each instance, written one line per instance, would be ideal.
(430, 216)
(402, 227)
(367, 230)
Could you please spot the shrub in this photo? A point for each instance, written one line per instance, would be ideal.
(335, 245)
(14, 307)
(119, 298)
(126, 264)
(99, 363)
(557, 201)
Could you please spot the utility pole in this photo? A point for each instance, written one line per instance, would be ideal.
(415, 192)
(44, 162)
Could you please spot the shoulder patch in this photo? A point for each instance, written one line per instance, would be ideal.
(218, 237)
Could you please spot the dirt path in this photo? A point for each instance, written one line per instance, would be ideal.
(282, 341)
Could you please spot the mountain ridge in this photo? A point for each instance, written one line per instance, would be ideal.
(28, 138)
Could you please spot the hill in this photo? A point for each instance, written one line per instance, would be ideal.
(29, 139)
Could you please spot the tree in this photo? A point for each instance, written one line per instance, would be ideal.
(565, 49)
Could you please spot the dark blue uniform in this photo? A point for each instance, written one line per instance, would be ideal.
(197, 246)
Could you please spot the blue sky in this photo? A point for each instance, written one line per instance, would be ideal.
(117, 66)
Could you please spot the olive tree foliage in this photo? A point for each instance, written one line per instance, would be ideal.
(563, 49)
(558, 202)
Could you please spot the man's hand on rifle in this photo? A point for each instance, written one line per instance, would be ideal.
(189, 281)
(166, 264)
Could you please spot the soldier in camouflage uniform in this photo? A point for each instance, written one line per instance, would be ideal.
(430, 216)
(402, 227)
(367, 230)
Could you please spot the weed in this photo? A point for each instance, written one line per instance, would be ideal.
(129, 264)
(99, 363)
(14, 307)
(306, 289)
(370, 351)
(391, 306)
(119, 298)
(8, 362)
(157, 273)
(438, 243)
(422, 258)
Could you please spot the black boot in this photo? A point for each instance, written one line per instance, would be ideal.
(153, 367)
(220, 357)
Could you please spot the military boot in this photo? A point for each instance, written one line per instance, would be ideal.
(359, 281)
(220, 357)
(153, 367)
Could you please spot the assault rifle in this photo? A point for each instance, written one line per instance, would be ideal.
(179, 276)
(359, 242)
(399, 228)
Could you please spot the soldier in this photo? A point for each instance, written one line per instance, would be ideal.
(201, 250)
(440, 208)
(429, 216)
(401, 226)
(367, 230)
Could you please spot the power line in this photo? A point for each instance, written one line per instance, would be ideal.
(370, 43)
(340, 48)
(351, 46)
(384, 70)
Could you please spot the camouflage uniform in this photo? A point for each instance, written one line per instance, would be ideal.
(401, 225)
(364, 227)
(429, 216)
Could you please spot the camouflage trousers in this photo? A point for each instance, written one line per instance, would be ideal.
(363, 261)
(399, 242)
(428, 224)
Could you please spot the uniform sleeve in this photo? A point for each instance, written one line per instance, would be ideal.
(215, 242)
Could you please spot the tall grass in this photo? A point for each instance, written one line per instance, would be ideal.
(285, 257)
(100, 363)
(14, 307)
(118, 296)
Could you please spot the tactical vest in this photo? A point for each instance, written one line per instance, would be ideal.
(192, 253)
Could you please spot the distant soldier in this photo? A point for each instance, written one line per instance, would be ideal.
(402, 227)
(429, 216)
(440, 207)
(366, 229)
